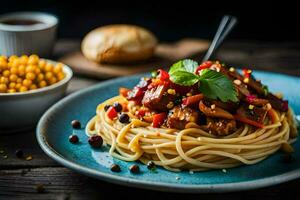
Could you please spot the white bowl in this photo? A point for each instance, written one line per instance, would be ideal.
(22, 110)
(28, 39)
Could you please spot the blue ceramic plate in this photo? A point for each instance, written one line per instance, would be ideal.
(54, 129)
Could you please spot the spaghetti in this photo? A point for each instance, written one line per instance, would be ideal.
(192, 148)
(195, 118)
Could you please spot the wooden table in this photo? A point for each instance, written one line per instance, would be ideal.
(19, 178)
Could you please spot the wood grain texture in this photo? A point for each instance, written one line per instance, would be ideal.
(18, 177)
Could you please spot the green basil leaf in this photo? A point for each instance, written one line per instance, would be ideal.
(186, 65)
(216, 85)
(184, 78)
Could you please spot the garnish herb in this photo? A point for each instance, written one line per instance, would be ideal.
(211, 83)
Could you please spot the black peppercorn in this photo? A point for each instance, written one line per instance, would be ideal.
(106, 107)
(39, 188)
(150, 165)
(117, 106)
(134, 169)
(115, 168)
(76, 124)
(73, 139)
(19, 153)
(124, 118)
(95, 141)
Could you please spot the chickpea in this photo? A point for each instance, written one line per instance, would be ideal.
(33, 60)
(15, 63)
(12, 85)
(19, 80)
(27, 82)
(42, 64)
(4, 80)
(52, 80)
(30, 76)
(48, 75)
(12, 58)
(30, 68)
(33, 87)
(21, 70)
(14, 70)
(23, 89)
(13, 77)
(58, 68)
(18, 86)
(11, 90)
(40, 77)
(23, 60)
(48, 67)
(3, 87)
(42, 84)
(37, 71)
(6, 73)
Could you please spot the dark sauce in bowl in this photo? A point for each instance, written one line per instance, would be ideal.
(21, 22)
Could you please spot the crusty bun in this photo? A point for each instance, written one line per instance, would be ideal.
(119, 44)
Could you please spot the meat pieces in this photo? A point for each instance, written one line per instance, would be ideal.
(179, 117)
(157, 98)
(220, 127)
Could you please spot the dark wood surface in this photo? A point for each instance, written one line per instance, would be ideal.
(20, 178)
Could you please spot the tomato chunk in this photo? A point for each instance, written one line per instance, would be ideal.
(163, 75)
(158, 119)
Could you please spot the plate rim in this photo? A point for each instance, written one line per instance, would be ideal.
(169, 187)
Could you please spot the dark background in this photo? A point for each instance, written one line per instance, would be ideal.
(259, 20)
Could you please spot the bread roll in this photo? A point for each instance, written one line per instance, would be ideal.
(119, 44)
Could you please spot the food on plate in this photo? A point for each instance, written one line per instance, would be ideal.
(119, 44)
(195, 117)
(21, 74)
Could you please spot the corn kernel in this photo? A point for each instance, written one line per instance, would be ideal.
(13, 77)
(170, 105)
(23, 89)
(246, 80)
(27, 82)
(171, 91)
(30, 76)
(188, 94)
(3, 87)
(237, 82)
(250, 107)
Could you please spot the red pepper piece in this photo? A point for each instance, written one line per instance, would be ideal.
(205, 65)
(158, 119)
(248, 121)
(112, 113)
(163, 75)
